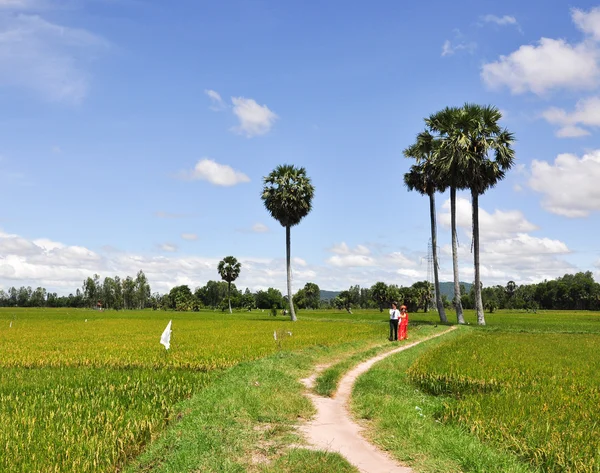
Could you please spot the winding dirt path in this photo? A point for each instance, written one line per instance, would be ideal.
(333, 429)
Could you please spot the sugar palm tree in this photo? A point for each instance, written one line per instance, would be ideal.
(481, 151)
(421, 178)
(287, 194)
(229, 269)
(443, 123)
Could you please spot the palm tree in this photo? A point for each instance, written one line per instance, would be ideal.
(475, 136)
(422, 179)
(443, 124)
(287, 195)
(229, 269)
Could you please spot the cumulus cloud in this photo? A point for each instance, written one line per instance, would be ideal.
(569, 186)
(254, 119)
(588, 22)
(552, 63)
(492, 226)
(62, 268)
(549, 65)
(351, 260)
(189, 236)
(587, 113)
(46, 58)
(218, 174)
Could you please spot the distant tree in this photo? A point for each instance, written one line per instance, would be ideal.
(313, 295)
(181, 298)
(229, 269)
(422, 293)
(379, 293)
(269, 298)
(287, 195)
(142, 290)
(128, 293)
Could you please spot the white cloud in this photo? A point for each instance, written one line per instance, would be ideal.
(351, 260)
(588, 22)
(451, 47)
(189, 236)
(500, 20)
(216, 100)
(299, 261)
(168, 247)
(551, 64)
(570, 185)
(500, 224)
(254, 119)
(46, 58)
(218, 174)
(587, 112)
(260, 228)
(60, 267)
(343, 249)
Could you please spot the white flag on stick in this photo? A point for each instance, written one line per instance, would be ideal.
(165, 338)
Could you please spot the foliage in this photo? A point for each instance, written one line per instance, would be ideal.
(287, 194)
(500, 387)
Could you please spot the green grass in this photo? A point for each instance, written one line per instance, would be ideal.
(535, 394)
(85, 391)
(403, 421)
(246, 421)
(327, 382)
(79, 395)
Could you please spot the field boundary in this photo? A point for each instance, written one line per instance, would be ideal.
(334, 430)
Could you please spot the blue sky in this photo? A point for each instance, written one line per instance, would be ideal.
(135, 135)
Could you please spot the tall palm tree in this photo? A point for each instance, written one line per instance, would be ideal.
(443, 123)
(287, 194)
(229, 269)
(421, 178)
(483, 151)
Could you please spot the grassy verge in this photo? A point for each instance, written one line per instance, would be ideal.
(327, 382)
(497, 388)
(246, 421)
(403, 420)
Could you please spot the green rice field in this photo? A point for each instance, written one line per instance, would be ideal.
(87, 391)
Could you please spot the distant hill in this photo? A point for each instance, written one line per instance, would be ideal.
(328, 295)
(447, 288)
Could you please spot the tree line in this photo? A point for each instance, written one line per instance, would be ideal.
(569, 292)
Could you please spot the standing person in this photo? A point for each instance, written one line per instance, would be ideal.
(403, 322)
(394, 316)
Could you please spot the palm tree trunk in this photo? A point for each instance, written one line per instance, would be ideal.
(460, 318)
(438, 296)
(229, 294)
(478, 303)
(288, 246)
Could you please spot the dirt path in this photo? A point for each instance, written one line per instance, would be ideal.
(333, 429)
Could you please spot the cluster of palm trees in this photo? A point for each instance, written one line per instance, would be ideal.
(461, 148)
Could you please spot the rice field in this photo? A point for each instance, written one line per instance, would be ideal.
(84, 391)
(535, 394)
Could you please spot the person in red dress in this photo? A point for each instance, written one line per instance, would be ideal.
(402, 329)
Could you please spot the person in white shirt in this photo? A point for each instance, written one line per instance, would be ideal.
(394, 317)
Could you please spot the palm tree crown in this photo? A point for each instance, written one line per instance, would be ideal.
(287, 194)
(229, 269)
